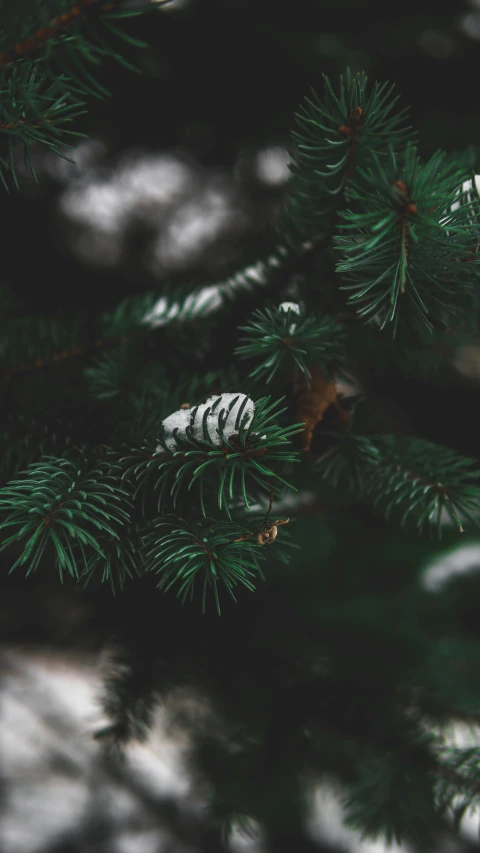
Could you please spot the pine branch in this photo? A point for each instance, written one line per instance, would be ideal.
(403, 242)
(33, 343)
(26, 438)
(407, 479)
(427, 483)
(144, 467)
(37, 343)
(121, 374)
(335, 136)
(121, 558)
(349, 462)
(34, 111)
(129, 698)
(50, 25)
(214, 555)
(221, 448)
(458, 785)
(65, 509)
(57, 26)
(393, 799)
(284, 338)
(46, 52)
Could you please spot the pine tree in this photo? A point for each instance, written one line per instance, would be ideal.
(216, 457)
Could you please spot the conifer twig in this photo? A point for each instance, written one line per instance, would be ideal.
(72, 352)
(45, 34)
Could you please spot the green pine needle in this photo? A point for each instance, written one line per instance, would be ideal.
(283, 340)
(224, 469)
(121, 558)
(407, 480)
(63, 509)
(458, 781)
(210, 556)
(44, 86)
(403, 244)
(334, 136)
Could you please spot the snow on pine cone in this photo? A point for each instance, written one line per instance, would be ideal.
(230, 403)
(468, 194)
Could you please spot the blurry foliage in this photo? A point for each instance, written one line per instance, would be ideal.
(220, 76)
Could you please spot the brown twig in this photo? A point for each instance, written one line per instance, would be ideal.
(264, 522)
(412, 475)
(265, 533)
(44, 34)
(407, 209)
(352, 132)
(71, 352)
(37, 122)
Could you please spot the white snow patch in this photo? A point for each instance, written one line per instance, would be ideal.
(461, 561)
(228, 403)
(202, 302)
(327, 823)
(162, 312)
(272, 166)
(470, 25)
(289, 306)
(292, 307)
(177, 420)
(210, 298)
(466, 190)
(197, 223)
(248, 839)
(97, 205)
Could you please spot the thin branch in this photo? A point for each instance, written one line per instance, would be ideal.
(37, 122)
(71, 352)
(45, 34)
(265, 532)
(352, 132)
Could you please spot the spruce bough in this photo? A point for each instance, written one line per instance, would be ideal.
(124, 465)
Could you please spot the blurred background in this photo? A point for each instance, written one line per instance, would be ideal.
(183, 170)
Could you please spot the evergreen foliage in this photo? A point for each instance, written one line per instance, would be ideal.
(60, 504)
(180, 555)
(334, 136)
(48, 55)
(396, 248)
(280, 337)
(139, 451)
(409, 478)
